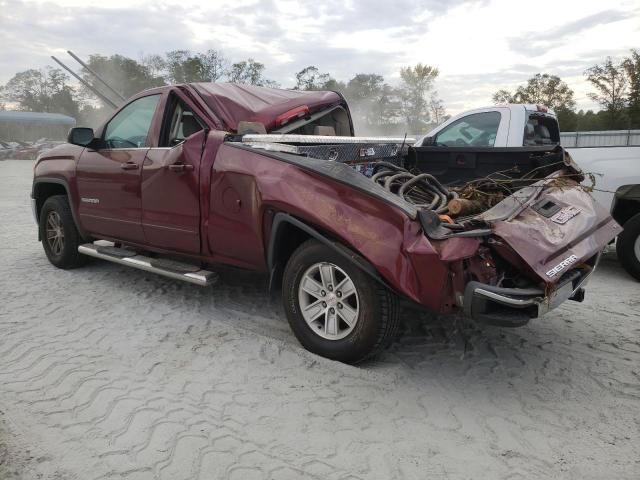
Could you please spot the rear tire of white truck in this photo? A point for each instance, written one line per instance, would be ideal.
(334, 308)
(59, 235)
(628, 246)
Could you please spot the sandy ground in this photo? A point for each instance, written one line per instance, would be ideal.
(107, 372)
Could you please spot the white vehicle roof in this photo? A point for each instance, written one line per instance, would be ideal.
(527, 106)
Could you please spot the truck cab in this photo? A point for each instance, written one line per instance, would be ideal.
(513, 125)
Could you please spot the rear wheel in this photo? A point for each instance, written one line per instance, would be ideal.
(60, 237)
(628, 246)
(334, 308)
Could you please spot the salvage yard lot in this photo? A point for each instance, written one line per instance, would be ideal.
(107, 372)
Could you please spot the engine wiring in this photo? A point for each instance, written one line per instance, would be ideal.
(456, 204)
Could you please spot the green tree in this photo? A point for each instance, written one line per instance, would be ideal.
(503, 96)
(547, 90)
(183, 66)
(44, 90)
(568, 120)
(373, 103)
(125, 75)
(156, 64)
(214, 64)
(93, 116)
(542, 88)
(590, 120)
(610, 82)
(437, 110)
(414, 93)
(387, 110)
(632, 69)
(334, 85)
(310, 78)
(249, 72)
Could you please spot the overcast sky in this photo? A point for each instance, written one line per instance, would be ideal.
(479, 46)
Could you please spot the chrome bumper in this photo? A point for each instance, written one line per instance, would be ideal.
(514, 307)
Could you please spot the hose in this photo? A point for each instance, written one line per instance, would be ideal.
(423, 190)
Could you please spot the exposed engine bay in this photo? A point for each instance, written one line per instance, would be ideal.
(461, 201)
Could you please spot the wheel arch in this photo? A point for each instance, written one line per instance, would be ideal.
(289, 232)
(627, 203)
(46, 187)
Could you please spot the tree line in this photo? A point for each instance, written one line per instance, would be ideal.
(615, 88)
(377, 107)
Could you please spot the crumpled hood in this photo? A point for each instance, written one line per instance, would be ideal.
(555, 229)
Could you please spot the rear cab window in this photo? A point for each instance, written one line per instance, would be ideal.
(541, 129)
(332, 121)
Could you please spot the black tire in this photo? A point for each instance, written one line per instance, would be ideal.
(66, 256)
(626, 246)
(377, 318)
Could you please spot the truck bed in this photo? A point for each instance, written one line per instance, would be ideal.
(455, 166)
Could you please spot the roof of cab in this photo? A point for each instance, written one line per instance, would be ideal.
(233, 103)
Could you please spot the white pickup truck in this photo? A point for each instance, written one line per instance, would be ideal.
(517, 125)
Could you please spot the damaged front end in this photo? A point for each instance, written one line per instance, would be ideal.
(549, 237)
(531, 249)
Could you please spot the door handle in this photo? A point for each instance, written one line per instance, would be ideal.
(129, 166)
(180, 167)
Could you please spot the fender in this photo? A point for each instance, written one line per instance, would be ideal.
(628, 192)
(626, 203)
(281, 219)
(63, 182)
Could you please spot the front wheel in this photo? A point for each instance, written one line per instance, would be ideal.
(628, 246)
(335, 309)
(60, 237)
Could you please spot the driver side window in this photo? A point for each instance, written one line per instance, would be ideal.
(475, 130)
(180, 123)
(130, 127)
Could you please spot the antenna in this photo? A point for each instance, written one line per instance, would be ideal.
(85, 83)
(402, 146)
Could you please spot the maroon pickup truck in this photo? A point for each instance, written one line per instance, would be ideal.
(187, 177)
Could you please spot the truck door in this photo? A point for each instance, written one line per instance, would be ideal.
(109, 178)
(171, 181)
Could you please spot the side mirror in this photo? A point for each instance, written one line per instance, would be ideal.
(82, 136)
(429, 141)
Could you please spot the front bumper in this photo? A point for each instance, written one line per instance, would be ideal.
(514, 307)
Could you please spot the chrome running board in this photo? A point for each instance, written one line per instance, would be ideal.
(129, 258)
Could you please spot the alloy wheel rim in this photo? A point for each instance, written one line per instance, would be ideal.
(55, 233)
(636, 248)
(329, 301)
